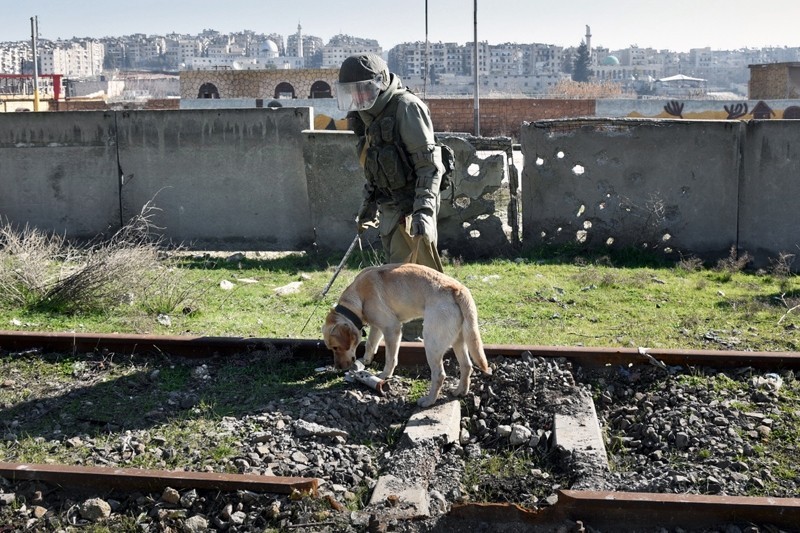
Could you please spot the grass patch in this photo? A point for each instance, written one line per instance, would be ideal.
(495, 477)
(559, 296)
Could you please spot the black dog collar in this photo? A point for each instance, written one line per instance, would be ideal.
(351, 316)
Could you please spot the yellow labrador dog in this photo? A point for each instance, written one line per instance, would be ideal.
(387, 296)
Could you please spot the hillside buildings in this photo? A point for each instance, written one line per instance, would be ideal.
(529, 69)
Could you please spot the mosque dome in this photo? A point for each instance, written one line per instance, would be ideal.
(269, 46)
(611, 61)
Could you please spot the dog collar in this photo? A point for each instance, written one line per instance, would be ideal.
(349, 315)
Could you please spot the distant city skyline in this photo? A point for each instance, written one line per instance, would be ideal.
(678, 25)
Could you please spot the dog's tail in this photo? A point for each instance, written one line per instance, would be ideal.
(470, 331)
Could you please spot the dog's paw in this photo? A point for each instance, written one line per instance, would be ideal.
(368, 359)
(426, 401)
(460, 391)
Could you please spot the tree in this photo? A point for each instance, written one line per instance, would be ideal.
(580, 69)
(433, 76)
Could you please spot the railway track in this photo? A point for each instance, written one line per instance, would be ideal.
(603, 510)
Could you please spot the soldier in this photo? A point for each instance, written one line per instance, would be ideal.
(402, 163)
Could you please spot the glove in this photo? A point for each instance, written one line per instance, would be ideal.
(422, 224)
(367, 217)
(363, 225)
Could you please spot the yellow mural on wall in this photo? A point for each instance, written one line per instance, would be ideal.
(735, 111)
(324, 122)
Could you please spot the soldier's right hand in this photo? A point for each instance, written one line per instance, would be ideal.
(363, 225)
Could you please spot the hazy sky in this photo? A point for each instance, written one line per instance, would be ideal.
(672, 24)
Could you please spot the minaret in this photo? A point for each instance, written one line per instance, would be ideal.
(589, 40)
(300, 40)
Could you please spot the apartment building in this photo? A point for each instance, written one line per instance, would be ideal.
(179, 50)
(443, 59)
(340, 47)
(82, 59)
(13, 58)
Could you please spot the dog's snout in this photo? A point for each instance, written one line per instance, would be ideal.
(344, 364)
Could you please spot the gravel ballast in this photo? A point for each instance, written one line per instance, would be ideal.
(671, 430)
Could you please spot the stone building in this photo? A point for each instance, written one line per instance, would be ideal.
(774, 81)
(266, 84)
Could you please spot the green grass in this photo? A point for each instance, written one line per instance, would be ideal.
(488, 478)
(629, 299)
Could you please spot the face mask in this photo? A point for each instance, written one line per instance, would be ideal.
(358, 95)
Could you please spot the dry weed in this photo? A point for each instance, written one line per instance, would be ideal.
(45, 272)
(735, 262)
(26, 263)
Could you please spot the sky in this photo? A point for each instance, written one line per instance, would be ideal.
(676, 25)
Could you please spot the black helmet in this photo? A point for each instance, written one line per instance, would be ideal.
(362, 77)
(363, 67)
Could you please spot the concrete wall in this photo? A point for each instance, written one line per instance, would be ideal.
(222, 179)
(769, 218)
(335, 185)
(689, 187)
(694, 109)
(58, 172)
(261, 179)
(469, 222)
(226, 179)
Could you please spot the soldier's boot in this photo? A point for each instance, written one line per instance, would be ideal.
(412, 331)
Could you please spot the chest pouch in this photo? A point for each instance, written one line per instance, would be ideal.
(384, 163)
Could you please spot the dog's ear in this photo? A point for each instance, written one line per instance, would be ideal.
(345, 331)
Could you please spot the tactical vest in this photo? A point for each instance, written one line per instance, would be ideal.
(386, 164)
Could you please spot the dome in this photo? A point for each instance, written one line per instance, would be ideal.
(269, 46)
(611, 61)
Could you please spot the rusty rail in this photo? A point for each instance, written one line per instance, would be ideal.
(153, 480)
(629, 511)
(412, 353)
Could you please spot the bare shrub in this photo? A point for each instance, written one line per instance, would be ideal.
(781, 267)
(735, 262)
(109, 273)
(26, 263)
(46, 272)
(690, 263)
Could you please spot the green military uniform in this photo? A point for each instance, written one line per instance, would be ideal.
(403, 169)
(402, 163)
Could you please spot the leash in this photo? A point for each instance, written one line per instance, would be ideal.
(349, 251)
(321, 295)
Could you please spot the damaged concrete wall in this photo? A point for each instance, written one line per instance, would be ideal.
(669, 185)
(470, 224)
(694, 188)
(470, 218)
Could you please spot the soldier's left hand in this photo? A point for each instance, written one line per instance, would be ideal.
(422, 224)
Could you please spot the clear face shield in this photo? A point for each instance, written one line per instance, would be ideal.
(358, 95)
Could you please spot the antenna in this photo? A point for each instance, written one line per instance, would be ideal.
(34, 37)
(477, 103)
(425, 74)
